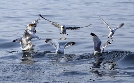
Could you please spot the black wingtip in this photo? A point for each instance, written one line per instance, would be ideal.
(92, 34)
(109, 42)
(13, 40)
(122, 24)
(73, 43)
(40, 15)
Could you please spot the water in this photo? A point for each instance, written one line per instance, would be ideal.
(76, 65)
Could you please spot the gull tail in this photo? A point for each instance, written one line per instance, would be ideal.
(76, 27)
(36, 21)
(17, 40)
(105, 23)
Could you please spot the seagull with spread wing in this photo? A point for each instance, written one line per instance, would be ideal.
(56, 45)
(97, 44)
(98, 51)
(112, 31)
(63, 28)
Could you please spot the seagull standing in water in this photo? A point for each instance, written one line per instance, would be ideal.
(28, 35)
(97, 44)
(56, 45)
(112, 31)
(63, 28)
(98, 51)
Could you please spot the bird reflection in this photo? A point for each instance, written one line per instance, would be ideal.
(97, 62)
(27, 57)
(104, 73)
(109, 58)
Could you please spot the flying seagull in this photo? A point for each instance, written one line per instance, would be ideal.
(63, 28)
(112, 31)
(56, 45)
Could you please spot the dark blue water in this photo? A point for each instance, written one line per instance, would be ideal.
(76, 65)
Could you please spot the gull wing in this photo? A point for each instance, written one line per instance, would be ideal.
(72, 27)
(68, 44)
(36, 21)
(97, 42)
(31, 36)
(121, 25)
(53, 23)
(17, 40)
(106, 44)
(54, 43)
(76, 27)
(105, 23)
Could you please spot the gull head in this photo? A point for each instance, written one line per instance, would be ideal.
(47, 40)
(31, 25)
(62, 26)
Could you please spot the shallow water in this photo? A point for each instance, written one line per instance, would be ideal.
(76, 65)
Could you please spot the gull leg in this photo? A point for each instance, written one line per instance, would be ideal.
(61, 37)
(65, 37)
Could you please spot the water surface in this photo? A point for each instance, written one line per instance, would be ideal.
(76, 68)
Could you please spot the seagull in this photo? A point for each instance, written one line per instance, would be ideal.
(98, 51)
(97, 44)
(56, 45)
(25, 44)
(112, 31)
(63, 28)
(105, 57)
